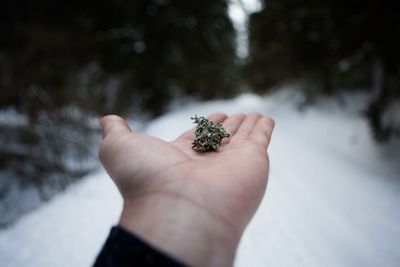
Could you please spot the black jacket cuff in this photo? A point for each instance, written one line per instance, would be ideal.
(123, 248)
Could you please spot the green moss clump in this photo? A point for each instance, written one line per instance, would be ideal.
(208, 135)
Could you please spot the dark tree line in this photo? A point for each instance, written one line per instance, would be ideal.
(329, 46)
(109, 55)
(63, 61)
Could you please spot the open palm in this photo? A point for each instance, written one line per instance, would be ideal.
(227, 183)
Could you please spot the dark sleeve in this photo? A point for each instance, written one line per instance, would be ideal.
(122, 248)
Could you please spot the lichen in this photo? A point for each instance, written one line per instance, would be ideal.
(208, 135)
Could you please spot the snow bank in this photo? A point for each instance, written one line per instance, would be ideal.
(67, 231)
(332, 200)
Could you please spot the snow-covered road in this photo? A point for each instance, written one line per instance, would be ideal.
(333, 197)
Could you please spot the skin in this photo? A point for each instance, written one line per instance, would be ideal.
(192, 205)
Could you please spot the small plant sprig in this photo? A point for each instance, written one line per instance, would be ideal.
(208, 135)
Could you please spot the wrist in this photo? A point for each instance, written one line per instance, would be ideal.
(182, 229)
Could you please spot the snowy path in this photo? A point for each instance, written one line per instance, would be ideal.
(333, 198)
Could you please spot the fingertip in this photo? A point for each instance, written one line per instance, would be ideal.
(240, 116)
(262, 131)
(113, 123)
(255, 114)
(272, 123)
(267, 123)
(217, 117)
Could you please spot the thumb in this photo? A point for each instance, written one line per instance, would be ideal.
(113, 124)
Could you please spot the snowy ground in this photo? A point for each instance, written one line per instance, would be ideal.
(333, 197)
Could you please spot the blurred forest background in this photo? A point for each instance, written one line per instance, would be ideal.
(65, 63)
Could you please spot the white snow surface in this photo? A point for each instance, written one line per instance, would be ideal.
(333, 197)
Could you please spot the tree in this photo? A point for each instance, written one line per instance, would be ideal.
(329, 46)
(64, 61)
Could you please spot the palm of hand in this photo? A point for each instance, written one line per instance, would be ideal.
(228, 183)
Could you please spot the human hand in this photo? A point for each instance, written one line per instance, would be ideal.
(193, 205)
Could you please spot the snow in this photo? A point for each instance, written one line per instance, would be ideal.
(11, 117)
(67, 231)
(43, 139)
(332, 199)
(239, 12)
